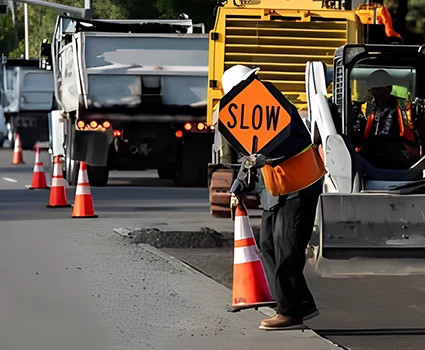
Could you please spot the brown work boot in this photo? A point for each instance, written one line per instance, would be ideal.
(281, 322)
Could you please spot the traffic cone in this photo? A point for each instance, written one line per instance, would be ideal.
(57, 190)
(250, 286)
(17, 157)
(39, 177)
(83, 203)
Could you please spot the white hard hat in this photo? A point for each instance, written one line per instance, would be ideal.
(379, 78)
(234, 75)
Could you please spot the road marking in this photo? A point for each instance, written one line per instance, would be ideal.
(9, 179)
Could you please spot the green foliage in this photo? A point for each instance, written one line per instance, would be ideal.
(42, 20)
(19, 51)
(415, 17)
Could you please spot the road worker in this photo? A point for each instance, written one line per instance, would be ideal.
(389, 141)
(288, 182)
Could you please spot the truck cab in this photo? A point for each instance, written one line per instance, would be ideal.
(132, 94)
(28, 98)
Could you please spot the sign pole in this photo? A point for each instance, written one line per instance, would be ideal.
(86, 12)
(81, 12)
(88, 7)
(27, 48)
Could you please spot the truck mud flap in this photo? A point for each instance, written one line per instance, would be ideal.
(219, 186)
(369, 234)
(92, 147)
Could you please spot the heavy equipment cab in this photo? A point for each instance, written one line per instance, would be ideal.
(366, 211)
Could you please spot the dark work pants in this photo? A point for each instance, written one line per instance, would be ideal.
(285, 233)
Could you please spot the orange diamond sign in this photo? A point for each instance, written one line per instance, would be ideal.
(252, 117)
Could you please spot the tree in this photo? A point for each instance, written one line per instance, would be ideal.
(41, 20)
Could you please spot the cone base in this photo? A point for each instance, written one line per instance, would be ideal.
(253, 305)
(18, 163)
(85, 217)
(39, 188)
(59, 206)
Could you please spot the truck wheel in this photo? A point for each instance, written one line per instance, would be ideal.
(195, 156)
(10, 136)
(71, 171)
(167, 172)
(98, 175)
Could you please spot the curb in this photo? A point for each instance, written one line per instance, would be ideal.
(169, 258)
(181, 265)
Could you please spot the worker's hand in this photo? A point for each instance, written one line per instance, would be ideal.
(418, 107)
(239, 186)
(258, 160)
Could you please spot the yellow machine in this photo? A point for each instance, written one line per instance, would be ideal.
(279, 37)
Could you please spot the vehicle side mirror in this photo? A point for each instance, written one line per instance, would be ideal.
(46, 55)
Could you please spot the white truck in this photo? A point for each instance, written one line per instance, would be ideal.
(27, 98)
(132, 95)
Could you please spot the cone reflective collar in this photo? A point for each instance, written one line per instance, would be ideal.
(250, 286)
(57, 190)
(83, 203)
(17, 157)
(39, 177)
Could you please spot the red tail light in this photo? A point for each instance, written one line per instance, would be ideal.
(117, 133)
(201, 126)
(179, 134)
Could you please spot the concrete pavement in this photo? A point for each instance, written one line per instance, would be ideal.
(74, 284)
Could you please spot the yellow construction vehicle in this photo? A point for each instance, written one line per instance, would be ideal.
(279, 37)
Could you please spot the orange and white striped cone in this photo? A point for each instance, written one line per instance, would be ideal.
(17, 157)
(250, 286)
(83, 203)
(39, 177)
(57, 190)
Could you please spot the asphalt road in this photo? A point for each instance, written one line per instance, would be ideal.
(52, 265)
(75, 284)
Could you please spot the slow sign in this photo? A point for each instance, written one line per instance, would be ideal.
(252, 117)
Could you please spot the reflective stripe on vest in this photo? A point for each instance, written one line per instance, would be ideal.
(404, 130)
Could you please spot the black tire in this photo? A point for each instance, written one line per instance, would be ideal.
(11, 137)
(1, 143)
(195, 156)
(98, 175)
(71, 166)
(71, 171)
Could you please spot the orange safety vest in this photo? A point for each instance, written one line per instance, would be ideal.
(405, 130)
(294, 174)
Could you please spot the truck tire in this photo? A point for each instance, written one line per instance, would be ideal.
(195, 156)
(10, 135)
(98, 175)
(72, 168)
